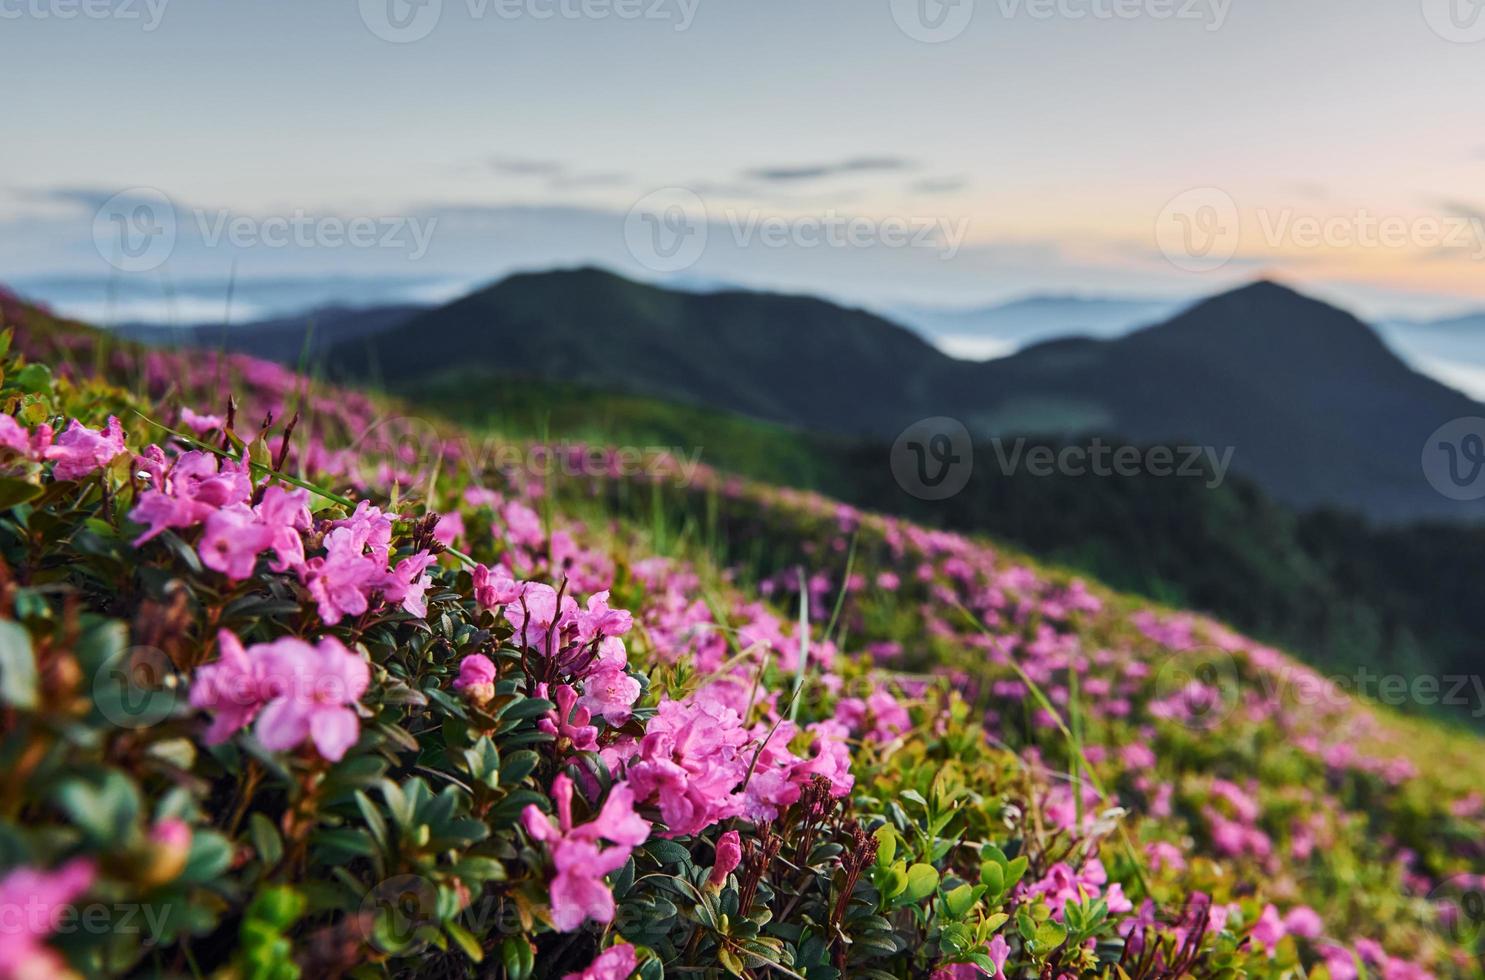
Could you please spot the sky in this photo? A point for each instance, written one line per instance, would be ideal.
(928, 152)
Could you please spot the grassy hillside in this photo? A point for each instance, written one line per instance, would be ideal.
(301, 748)
(1351, 598)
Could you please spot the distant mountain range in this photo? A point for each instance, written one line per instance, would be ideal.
(1316, 408)
(283, 339)
(994, 331)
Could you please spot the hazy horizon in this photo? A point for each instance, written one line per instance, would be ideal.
(973, 154)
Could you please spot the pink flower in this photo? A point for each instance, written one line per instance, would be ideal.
(31, 445)
(1339, 963)
(832, 757)
(341, 580)
(234, 688)
(570, 721)
(170, 849)
(599, 620)
(522, 525)
(888, 718)
(408, 583)
(610, 693)
(32, 903)
(200, 424)
(476, 679)
(232, 541)
(578, 892)
(729, 856)
(616, 822)
(186, 491)
(999, 951)
(314, 686)
(450, 528)
(80, 450)
(536, 616)
(1269, 929)
(1304, 922)
(296, 692)
(690, 763)
(285, 516)
(493, 588)
(614, 963)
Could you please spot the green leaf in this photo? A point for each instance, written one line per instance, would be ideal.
(107, 812)
(211, 855)
(266, 840)
(886, 839)
(1050, 935)
(525, 708)
(33, 379)
(667, 852)
(518, 957)
(14, 492)
(992, 876)
(960, 901)
(517, 766)
(1014, 871)
(468, 943)
(18, 680)
(922, 881)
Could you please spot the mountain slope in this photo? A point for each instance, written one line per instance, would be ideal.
(1314, 405)
(787, 359)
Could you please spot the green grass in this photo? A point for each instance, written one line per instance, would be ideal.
(533, 409)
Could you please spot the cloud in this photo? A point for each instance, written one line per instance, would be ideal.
(557, 176)
(938, 185)
(855, 165)
(1312, 191)
(576, 181)
(1459, 209)
(518, 167)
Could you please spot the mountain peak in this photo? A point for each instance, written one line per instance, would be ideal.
(1266, 292)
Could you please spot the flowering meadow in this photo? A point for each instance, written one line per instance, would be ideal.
(295, 686)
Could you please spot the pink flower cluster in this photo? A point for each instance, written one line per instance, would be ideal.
(695, 759)
(296, 692)
(78, 451)
(578, 891)
(879, 717)
(197, 488)
(32, 904)
(1062, 884)
(356, 569)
